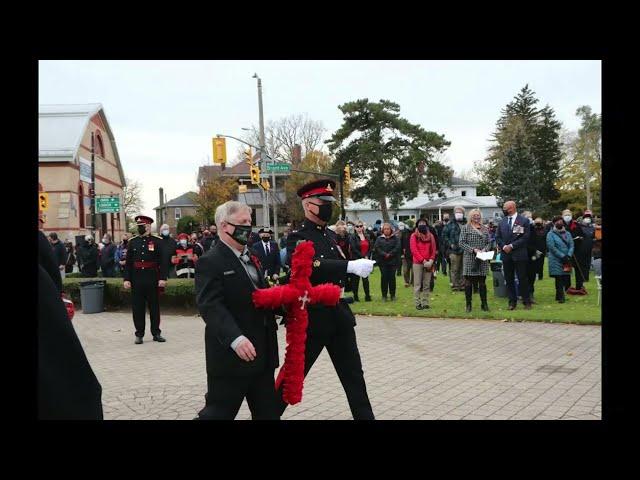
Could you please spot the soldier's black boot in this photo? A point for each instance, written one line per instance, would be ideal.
(138, 340)
(483, 298)
(468, 291)
(158, 338)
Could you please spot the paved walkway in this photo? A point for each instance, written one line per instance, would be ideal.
(415, 369)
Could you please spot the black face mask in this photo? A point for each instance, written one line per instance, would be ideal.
(141, 229)
(241, 233)
(266, 239)
(324, 211)
(538, 225)
(506, 213)
(559, 226)
(423, 228)
(124, 242)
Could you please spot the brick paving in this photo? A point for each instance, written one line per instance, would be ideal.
(415, 369)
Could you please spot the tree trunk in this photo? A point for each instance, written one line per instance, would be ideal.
(385, 210)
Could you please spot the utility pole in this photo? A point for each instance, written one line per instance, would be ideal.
(263, 161)
(92, 190)
(341, 179)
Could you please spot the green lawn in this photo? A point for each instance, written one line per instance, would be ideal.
(444, 303)
(447, 304)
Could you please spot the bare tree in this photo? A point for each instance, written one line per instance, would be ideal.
(281, 136)
(132, 200)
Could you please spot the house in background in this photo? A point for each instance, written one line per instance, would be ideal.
(461, 192)
(172, 211)
(64, 170)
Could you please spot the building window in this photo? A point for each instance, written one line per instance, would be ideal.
(99, 146)
(178, 213)
(464, 193)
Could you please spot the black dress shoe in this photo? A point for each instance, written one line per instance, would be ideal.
(512, 307)
(367, 299)
(158, 338)
(138, 340)
(419, 307)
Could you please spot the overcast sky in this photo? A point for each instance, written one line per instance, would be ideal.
(164, 113)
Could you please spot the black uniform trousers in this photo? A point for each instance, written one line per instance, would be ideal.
(512, 267)
(534, 268)
(144, 291)
(226, 393)
(340, 341)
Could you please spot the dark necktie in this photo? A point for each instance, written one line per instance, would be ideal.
(245, 257)
(510, 223)
(266, 247)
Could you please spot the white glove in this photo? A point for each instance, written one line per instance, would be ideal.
(428, 264)
(361, 267)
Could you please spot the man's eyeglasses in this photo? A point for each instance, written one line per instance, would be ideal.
(359, 226)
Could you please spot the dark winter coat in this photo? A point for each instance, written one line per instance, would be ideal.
(88, 258)
(559, 246)
(387, 246)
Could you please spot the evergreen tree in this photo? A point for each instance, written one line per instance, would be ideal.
(515, 178)
(523, 127)
(388, 156)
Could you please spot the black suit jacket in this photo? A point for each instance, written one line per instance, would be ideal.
(223, 296)
(505, 236)
(270, 263)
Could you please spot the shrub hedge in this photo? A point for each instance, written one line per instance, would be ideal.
(179, 292)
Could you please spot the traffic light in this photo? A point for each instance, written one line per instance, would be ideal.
(265, 184)
(242, 188)
(255, 174)
(248, 157)
(347, 173)
(43, 201)
(219, 150)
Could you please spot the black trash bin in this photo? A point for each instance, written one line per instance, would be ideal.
(92, 296)
(499, 285)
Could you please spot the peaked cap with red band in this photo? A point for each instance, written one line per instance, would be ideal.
(183, 235)
(143, 220)
(322, 189)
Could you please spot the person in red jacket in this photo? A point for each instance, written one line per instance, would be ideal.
(185, 259)
(424, 249)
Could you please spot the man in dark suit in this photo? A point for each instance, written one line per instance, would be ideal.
(241, 345)
(512, 238)
(331, 327)
(268, 253)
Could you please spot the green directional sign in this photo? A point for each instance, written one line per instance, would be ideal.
(107, 204)
(278, 168)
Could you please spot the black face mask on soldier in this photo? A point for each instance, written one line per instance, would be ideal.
(141, 229)
(324, 211)
(422, 228)
(240, 233)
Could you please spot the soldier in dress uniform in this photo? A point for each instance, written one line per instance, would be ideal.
(331, 327)
(145, 272)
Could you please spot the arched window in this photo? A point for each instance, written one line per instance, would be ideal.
(99, 146)
(81, 204)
